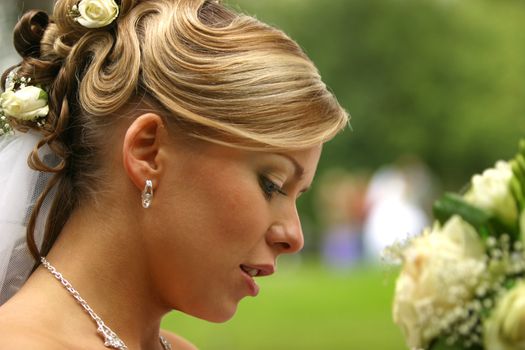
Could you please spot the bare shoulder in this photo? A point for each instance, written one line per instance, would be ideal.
(19, 329)
(177, 342)
(14, 337)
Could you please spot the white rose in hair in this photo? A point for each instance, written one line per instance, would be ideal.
(96, 13)
(441, 269)
(26, 103)
(491, 191)
(505, 328)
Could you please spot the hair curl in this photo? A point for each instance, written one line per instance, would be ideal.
(215, 74)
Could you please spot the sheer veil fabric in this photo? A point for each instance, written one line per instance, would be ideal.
(20, 188)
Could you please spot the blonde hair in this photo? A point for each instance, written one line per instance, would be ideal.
(215, 74)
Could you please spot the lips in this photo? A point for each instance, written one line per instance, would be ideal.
(258, 270)
(251, 271)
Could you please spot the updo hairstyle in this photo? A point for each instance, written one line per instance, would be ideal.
(209, 72)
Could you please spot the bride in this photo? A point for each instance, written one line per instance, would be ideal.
(168, 143)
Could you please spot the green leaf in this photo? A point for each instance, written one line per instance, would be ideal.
(522, 147)
(520, 160)
(485, 223)
(518, 182)
(452, 204)
(518, 169)
(516, 188)
(43, 95)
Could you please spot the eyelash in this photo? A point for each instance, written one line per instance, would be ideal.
(270, 188)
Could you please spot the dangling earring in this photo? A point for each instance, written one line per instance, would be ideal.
(147, 194)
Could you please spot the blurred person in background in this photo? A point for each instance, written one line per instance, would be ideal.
(179, 135)
(341, 205)
(397, 204)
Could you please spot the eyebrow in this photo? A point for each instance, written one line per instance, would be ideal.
(299, 170)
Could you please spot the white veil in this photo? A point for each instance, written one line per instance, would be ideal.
(20, 189)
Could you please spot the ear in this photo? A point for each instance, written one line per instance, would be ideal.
(142, 142)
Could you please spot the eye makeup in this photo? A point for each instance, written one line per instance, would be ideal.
(269, 187)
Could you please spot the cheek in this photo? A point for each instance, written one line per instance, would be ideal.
(232, 210)
(210, 222)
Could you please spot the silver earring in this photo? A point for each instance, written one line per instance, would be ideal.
(147, 194)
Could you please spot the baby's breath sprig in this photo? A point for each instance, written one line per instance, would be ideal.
(5, 127)
(463, 328)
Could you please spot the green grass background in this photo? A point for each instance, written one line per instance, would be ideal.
(306, 306)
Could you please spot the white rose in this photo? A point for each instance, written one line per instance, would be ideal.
(491, 191)
(96, 13)
(27, 103)
(505, 328)
(440, 271)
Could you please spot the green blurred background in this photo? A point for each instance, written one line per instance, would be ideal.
(439, 81)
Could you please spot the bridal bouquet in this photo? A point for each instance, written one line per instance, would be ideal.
(462, 282)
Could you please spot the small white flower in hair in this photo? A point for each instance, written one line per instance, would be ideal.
(95, 13)
(26, 103)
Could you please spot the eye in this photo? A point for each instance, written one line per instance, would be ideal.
(269, 187)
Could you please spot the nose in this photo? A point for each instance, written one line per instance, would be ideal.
(285, 234)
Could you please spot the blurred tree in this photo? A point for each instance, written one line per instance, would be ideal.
(438, 79)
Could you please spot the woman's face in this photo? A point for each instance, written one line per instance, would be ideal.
(219, 216)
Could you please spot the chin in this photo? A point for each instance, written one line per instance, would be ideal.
(214, 314)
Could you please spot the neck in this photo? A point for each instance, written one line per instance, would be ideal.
(105, 265)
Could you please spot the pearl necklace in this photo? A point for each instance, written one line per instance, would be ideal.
(111, 339)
